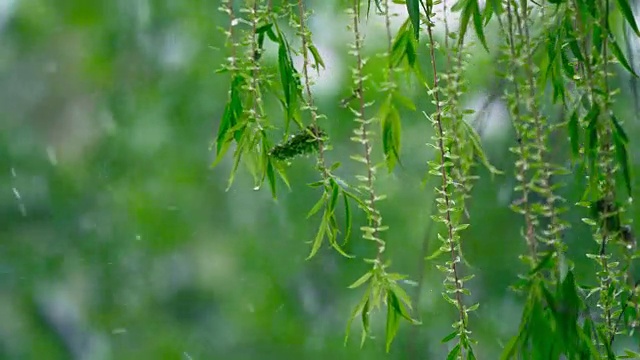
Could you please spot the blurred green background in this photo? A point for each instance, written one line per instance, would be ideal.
(119, 241)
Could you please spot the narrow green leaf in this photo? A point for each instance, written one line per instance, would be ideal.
(618, 130)
(237, 156)
(617, 52)
(334, 243)
(391, 133)
(403, 100)
(575, 49)
(449, 337)
(574, 134)
(365, 321)
(570, 294)
(625, 9)
(335, 192)
(363, 279)
(347, 218)
(317, 206)
(359, 201)
(475, 141)
(272, 35)
(225, 124)
(364, 302)
(271, 176)
(410, 52)
(473, 307)
(316, 57)
(465, 16)
(459, 5)
(470, 354)
(231, 115)
(543, 263)
(317, 242)
(566, 66)
(398, 48)
(620, 141)
(477, 23)
(413, 8)
(402, 300)
(316, 183)
(453, 354)
(597, 38)
(435, 254)
(510, 348)
(393, 322)
(283, 175)
(592, 133)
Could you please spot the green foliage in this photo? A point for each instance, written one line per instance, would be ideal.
(567, 45)
(114, 228)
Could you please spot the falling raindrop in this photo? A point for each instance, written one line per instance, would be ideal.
(16, 193)
(51, 154)
(118, 331)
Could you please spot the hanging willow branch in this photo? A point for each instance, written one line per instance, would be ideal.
(449, 197)
(569, 47)
(382, 286)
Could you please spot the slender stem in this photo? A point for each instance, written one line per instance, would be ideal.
(528, 218)
(307, 84)
(374, 216)
(445, 181)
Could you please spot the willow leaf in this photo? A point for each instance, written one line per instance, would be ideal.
(620, 141)
(271, 176)
(477, 23)
(317, 206)
(391, 133)
(316, 57)
(413, 8)
(335, 192)
(475, 141)
(617, 52)
(317, 242)
(574, 134)
(453, 354)
(363, 306)
(365, 321)
(393, 320)
(625, 9)
(347, 218)
(467, 7)
(452, 335)
(363, 279)
(283, 175)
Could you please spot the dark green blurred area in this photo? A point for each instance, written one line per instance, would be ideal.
(118, 240)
